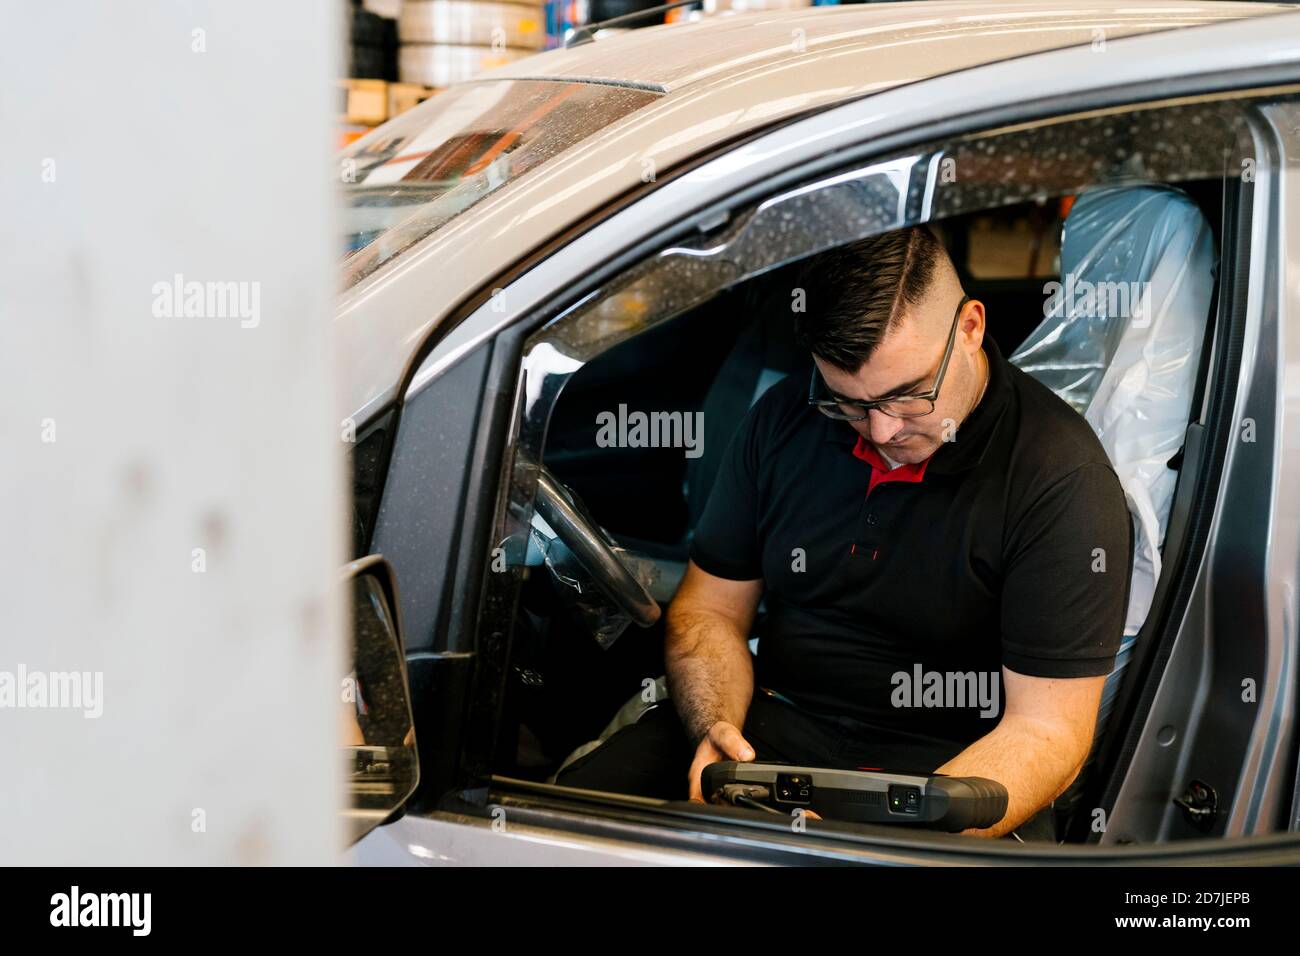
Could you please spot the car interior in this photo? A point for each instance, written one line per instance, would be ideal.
(571, 683)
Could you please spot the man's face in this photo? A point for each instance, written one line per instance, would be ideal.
(906, 362)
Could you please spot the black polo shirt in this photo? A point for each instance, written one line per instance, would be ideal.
(1010, 546)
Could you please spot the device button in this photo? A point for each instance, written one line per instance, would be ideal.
(904, 799)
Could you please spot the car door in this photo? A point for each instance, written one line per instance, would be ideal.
(700, 201)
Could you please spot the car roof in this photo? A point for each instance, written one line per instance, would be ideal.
(879, 44)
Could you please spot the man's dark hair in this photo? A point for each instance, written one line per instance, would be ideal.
(853, 295)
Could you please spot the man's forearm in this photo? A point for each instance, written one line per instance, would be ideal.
(1034, 763)
(710, 672)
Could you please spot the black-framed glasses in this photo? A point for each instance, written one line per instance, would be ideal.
(904, 406)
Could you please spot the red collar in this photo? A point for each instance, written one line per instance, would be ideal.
(880, 470)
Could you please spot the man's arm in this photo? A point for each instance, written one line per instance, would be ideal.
(1037, 748)
(1062, 619)
(710, 671)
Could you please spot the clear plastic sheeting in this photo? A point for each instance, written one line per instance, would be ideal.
(1121, 343)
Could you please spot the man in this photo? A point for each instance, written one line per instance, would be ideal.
(941, 544)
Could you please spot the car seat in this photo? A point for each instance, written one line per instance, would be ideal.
(1121, 344)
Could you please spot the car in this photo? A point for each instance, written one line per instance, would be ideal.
(538, 256)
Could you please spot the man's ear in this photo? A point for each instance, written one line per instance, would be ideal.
(971, 328)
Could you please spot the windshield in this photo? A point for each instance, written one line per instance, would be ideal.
(408, 178)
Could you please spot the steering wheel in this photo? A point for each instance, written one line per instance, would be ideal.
(593, 549)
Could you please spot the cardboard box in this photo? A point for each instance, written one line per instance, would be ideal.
(364, 101)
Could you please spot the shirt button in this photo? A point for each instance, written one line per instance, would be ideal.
(871, 519)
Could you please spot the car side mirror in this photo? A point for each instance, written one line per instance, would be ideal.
(376, 728)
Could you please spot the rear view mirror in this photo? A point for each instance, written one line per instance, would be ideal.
(376, 731)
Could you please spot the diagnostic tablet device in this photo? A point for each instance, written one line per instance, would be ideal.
(932, 801)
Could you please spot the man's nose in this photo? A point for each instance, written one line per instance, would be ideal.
(883, 427)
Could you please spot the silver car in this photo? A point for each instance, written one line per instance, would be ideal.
(610, 227)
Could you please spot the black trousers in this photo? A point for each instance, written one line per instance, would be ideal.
(651, 758)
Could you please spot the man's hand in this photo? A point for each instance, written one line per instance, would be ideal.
(710, 669)
(722, 742)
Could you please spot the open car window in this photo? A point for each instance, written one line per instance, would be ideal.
(1185, 154)
(407, 179)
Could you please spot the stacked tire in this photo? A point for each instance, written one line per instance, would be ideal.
(609, 9)
(446, 41)
(372, 46)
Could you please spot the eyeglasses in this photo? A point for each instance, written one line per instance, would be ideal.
(906, 406)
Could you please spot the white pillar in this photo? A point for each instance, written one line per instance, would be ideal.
(171, 487)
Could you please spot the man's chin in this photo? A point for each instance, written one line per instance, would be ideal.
(913, 451)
